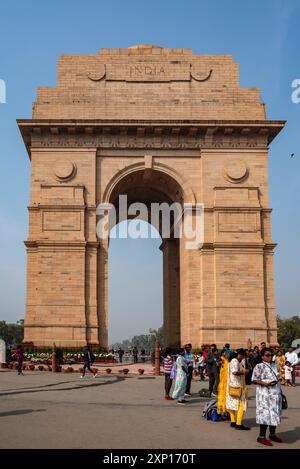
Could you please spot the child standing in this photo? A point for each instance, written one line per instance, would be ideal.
(288, 373)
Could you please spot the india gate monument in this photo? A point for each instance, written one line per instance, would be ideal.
(159, 126)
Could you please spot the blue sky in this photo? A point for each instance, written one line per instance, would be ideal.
(263, 37)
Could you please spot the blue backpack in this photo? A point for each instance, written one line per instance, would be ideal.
(215, 417)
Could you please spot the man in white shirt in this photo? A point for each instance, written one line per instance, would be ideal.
(292, 357)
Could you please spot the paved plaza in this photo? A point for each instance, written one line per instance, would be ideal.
(45, 410)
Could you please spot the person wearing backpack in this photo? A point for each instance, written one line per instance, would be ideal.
(88, 360)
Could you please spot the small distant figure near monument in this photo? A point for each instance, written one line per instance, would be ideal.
(135, 353)
(288, 370)
(88, 360)
(2, 351)
(292, 357)
(190, 360)
(19, 357)
(120, 353)
(143, 355)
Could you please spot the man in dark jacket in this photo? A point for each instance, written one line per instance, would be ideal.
(88, 360)
(189, 360)
(120, 353)
(213, 368)
(135, 354)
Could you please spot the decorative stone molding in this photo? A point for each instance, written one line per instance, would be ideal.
(147, 142)
(149, 72)
(64, 170)
(148, 135)
(199, 75)
(236, 171)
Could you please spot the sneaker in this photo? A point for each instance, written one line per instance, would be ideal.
(95, 375)
(233, 424)
(275, 438)
(170, 398)
(241, 427)
(181, 402)
(264, 441)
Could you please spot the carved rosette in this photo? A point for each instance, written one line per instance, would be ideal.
(235, 171)
(64, 170)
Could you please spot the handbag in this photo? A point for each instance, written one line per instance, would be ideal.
(284, 402)
(235, 392)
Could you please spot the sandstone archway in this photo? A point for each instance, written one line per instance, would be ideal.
(156, 186)
(121, 120)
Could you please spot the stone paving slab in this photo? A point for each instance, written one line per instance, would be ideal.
(46, 410)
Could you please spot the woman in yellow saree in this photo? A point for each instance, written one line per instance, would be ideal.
(280, 362)
(232, 390)
(222, 385)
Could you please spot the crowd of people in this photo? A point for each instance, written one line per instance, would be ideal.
(230, 372)
(133, 353)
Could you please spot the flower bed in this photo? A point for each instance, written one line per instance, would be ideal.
(67, 358)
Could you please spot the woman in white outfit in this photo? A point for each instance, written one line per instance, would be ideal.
(268, 397)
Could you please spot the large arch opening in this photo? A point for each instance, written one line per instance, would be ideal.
(147, 187)
(135, 286)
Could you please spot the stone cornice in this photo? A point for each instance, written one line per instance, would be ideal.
(235, 328)
(95, 244)
(238, 245)
(164, 134)
(41, 242)
(55, 207)
(239, 208)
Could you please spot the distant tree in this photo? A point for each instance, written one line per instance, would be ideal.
(125, 344)
(288, 330)
(161, 338)
(12, 334)
(143, 341)
(140, 341)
